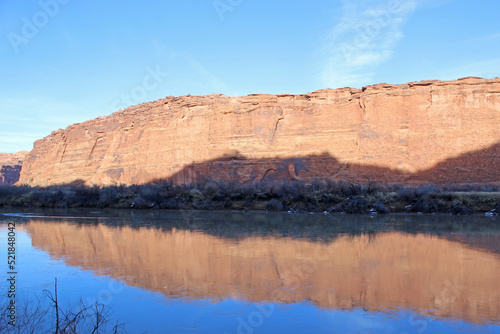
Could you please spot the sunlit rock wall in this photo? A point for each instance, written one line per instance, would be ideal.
(431, 131)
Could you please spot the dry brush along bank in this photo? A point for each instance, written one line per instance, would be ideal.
(318, 196)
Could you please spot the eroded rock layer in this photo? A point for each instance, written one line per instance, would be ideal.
(430, 131)
(10, 167)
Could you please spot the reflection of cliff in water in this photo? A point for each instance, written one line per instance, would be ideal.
(377, 271)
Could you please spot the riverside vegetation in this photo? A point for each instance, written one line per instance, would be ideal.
(44, 314)
(319, 196)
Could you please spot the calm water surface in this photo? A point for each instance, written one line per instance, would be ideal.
(199, 272)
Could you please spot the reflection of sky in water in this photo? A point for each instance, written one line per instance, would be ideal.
(154, 312)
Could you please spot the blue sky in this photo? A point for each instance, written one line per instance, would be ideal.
(67, 61)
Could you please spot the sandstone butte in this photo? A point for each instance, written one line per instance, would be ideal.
(10, 167)
(419, 132)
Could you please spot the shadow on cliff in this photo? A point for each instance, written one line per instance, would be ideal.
(290, 184)
(9, 175)
(481, 166)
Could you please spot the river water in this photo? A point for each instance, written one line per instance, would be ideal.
(235, 272)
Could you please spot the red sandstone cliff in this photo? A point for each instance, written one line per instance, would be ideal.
(10, 167)
(430, 131)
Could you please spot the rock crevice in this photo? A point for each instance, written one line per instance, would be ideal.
(10, 167)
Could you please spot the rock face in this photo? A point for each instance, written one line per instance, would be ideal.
(420, 132)
(10, 167)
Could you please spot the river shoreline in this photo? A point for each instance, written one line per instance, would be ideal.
(325, 197)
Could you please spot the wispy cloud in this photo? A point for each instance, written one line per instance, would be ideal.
(484, 39)
(28, 117)
(485, 68)
(41, 109)
(54, 69)
(365, 37)
(216, 84)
